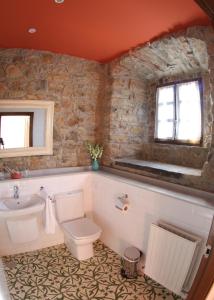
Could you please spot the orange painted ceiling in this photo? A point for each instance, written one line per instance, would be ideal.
(93, 29)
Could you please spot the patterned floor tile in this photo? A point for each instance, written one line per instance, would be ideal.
(54, 274)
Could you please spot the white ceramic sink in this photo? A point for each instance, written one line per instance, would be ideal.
(21, 206)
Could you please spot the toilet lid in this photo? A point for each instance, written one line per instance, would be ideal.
(81, 228)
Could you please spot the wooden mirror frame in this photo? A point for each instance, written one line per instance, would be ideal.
(37, 104)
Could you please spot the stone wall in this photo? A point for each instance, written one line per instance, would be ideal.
(189, 156)
(72, 83)
(135, 76)
(124, 117)
(114, 104)
(103, 113)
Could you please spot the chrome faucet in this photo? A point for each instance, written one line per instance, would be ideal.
(16, 192)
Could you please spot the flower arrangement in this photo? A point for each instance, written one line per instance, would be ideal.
(95, 150)
(14, 173)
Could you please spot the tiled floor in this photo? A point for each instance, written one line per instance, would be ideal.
(4, 293)
(53, 274)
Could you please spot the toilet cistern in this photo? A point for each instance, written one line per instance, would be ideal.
(16, 192)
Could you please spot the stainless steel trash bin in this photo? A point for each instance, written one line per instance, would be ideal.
(129, 262)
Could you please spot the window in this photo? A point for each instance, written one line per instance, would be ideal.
(16, 130)
(178, 113)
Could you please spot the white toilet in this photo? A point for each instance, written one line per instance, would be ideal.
(80, 232)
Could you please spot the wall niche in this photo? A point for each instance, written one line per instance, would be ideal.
(134, 78)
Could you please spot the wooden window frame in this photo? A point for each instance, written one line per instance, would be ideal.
(174, 141)
(205, 276)
(207, 6)
(30, 114)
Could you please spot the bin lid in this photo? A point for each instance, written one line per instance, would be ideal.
(132, 254)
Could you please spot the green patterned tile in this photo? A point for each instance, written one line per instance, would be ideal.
(53, 274)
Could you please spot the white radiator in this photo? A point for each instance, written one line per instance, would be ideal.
(171, 257)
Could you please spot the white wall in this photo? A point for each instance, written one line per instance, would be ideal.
(147, 205)
(121, 229)
(53, 184)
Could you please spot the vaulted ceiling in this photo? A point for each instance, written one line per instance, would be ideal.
(93, 29)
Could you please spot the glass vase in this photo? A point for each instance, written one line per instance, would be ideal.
(95, 165)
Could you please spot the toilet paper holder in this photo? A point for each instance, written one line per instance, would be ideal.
(123, 197)
(122, 202)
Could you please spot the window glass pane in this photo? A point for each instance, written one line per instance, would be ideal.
(15, 131)
(189, 112)
(165, 130)
(165, 112)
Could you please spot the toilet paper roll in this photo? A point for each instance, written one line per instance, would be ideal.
(121, 205)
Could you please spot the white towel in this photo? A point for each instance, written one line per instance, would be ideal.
(50, 220)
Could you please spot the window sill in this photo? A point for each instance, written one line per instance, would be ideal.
(173, 143)
(157, 167)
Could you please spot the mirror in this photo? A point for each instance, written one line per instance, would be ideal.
(26, 127)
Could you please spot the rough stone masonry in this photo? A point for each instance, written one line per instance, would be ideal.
(114, 103)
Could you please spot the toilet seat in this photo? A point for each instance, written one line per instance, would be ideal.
(82, 228)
